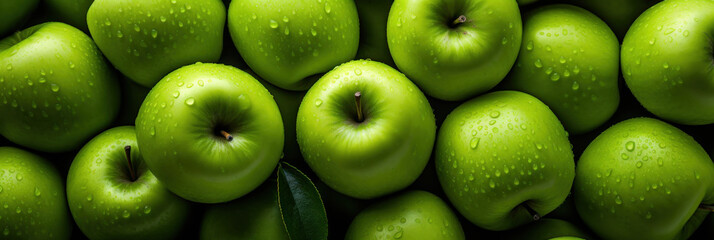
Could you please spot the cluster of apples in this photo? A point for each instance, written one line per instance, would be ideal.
(511, 84)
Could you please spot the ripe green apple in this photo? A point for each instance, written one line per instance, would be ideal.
(547, 228)
(145, 40)
(454, 49)
(32, 194)
(210, 132)
(255, 216)
(12, 13)
(365, 129)
(667, 60)
(504, 159)
(410, 215)
(619, 18)
(373, 16)
(569, 59)
(72, 12)
(640, 175)
(56, 90)
(287, 42)
(112, 194)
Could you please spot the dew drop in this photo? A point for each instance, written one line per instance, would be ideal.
(54, 87)
(37, 192)
(475, 142)
(273, 24)
(630, 146)
(126, 214)
(190, 101)
(318, 102)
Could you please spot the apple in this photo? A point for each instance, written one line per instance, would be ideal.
(365, 129)
(56, 90)
(145, 40)
(618, 18)
(569, 59)
(254, 216)
(112, 194)
(410, 215)
(73, 12)
(12, 13)
(667, 61)
(454, 49)
(504, 160)
(287, 42)
(373, 16)
(32, 194)
(210, 133)
(547, 228)
(640, 175)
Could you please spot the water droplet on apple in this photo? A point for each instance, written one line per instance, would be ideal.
(555, 77)
(328, 9)
(639, 164)
(618, 200)
(538, 63)
(576, 85)
(154, 33)
(273, 24)
(162, 18)
(491, 184)
(530, 45)
(318, 102)
(147, 209)
(126, 214)
(176, 94)
(89, 198)
(624, 156)
(152, 131)
(287, 30)
(313, 32)
(18, 177)
(54, 87)
(630, 146)
(474, 142)
(495, 114)
(190, 101)
(358, 72)
(107, 22)
(37, 192)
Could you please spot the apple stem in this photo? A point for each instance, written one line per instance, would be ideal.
(459, 20)
(358, 101)
(227, 135)
(709, 208)
(127, 151)
(532, 212)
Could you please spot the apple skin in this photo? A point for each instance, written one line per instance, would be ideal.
(373, 15)
(547, 228)
(107, 204)
(499, 151)
(12, 13)
(454, 63)
(177, 132)
(384, 153)
(643, 174)
(569, 59)
(72, 12)
(410, 215)
(32, 192)
(145, 40)
(667, 60)
(618, 18)
(286, 42)
(254, 216)
(56, 90)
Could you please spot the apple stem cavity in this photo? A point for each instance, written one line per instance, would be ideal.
(358, 102)
(532, 212)
(127, 152)
(227, 135)
(709, 208)
(458, 21)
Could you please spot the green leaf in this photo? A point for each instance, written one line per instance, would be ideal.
(300, 205)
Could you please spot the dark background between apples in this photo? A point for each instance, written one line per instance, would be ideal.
(340, 208)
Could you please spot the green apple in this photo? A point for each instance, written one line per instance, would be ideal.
(287, 42)
(640, 175)
(112, 194)
(618, 14)
(73, 12)
(210, 132)
(569, 59)
(667, 60)
(504, 159)
(410, 215)
(12, 13)
(454, 49)
(32, 194)
(255, 216)
(365, 129)
(547, 228)
(146, 40)
(56, 90)
(373, 16)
